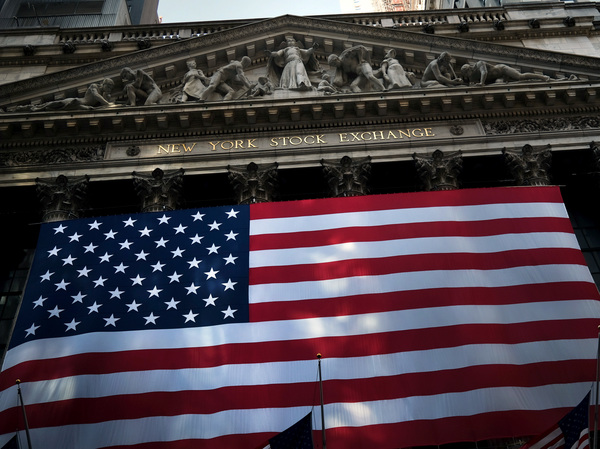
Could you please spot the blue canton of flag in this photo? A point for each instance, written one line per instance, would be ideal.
(121, 273)
(298, 436)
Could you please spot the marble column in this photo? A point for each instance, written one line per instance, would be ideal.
(347, 177)
(159, 190)
(439, 171)
(253, 183)
(530, 166)
(62, 198)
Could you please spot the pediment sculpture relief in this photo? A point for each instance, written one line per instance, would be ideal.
(289, 67)
(139, 87)
(293, 68)
(97, 95)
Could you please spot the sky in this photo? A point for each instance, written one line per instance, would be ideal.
(206, 10)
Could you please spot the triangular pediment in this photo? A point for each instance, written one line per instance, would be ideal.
(414, 50)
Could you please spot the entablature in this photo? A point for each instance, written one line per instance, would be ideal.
(298, 148)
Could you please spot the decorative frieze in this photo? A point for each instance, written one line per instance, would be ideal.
(52, 157)
(541, 124)
(62, 198)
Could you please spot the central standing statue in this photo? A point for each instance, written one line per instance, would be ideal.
(287, 67)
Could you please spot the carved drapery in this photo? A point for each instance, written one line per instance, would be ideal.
(347, 177)
(160, 190)
(530, 166)
(439, 171)
(62, 198)
(253, 183)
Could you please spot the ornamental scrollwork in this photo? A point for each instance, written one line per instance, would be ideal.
(52, 156)
(540, 125)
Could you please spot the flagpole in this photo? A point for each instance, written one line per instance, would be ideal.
(595, 444)
(24, 414)
(322, 406)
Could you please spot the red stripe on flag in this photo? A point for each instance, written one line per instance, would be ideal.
(81, 411)
(410, 231)
(471, 197)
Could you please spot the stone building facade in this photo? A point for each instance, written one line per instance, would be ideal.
(102, 121)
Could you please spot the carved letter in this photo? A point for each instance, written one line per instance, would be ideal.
(429, 132)
(186, 148)
(251, 143)
(307, 138)
(391, 134)
(375, 137)
(417, 132)
(343, 137)
(407, 133)
(229, 145)
(321, 140)
(273, 142)
(214, 145)
(160, 147)
(368, 133)
(175, 148)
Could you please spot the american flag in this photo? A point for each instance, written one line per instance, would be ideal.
(441, 316)
(571, 432)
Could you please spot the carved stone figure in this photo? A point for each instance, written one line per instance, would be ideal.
(325, 85)
(353, 70)
(263, 87)
(440, 72)
(393, 73)
(194, 82)
(289, 66)
(221, 81)
(96, 95)
(530, 167)
(347, 177)
(62, 198)
(439, 171)
(139, 86)
(481, 72)
(253, 184)
(160, 190)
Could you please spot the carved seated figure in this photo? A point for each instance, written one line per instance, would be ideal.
(263, 87)
(325, 85)
(221, 81)
(481, 73)
(140, 86)
(354, 71)
(440, 72)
